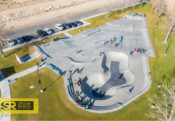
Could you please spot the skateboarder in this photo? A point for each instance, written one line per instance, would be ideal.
(121, 75)
(70, 72)
(116, 44)
(131, 89)
(79, 82)
(131, 52)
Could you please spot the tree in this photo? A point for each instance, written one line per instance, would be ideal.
(165, 7)
(164, 105)
(171, 16)
(2, 43)
(160, 6)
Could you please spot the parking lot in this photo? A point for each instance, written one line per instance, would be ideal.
(44, 32)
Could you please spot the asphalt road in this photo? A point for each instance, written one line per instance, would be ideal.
(31, 30)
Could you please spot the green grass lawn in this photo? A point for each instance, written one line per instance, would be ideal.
(9, 65)
(54, 104)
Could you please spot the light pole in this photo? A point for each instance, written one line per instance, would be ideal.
(39, 80)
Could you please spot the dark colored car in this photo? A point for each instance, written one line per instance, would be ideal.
(67, 26)
(79, 23)
(28, 38)
(24, 38)
(20, 40)
(42, 33)
(73, 24)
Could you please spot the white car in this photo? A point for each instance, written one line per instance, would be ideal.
(12, 42)
(49, 31)
(59, 26)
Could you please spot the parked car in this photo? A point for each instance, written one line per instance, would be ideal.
(79, 23)
(49, 31)
(12, 42)
(24, 38)
(73, 24)
(42, 33)
(20, 40)
(60, 26)
(67, 26)
(28, 38)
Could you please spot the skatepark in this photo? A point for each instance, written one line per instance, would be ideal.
(104, 68)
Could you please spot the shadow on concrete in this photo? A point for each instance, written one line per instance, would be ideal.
(100, 93)
(42, 51)
(90, 92)
(116, 78)
(103, 65)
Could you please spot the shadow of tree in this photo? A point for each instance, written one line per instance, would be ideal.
(8, 71)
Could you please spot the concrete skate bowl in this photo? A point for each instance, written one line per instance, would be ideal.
(103, 86)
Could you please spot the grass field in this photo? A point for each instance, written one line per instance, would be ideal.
(9, 65)
(54, 104)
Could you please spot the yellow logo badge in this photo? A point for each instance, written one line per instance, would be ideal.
(19, 106)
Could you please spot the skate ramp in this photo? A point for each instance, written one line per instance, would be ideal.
(120, 57)
(115, 74)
